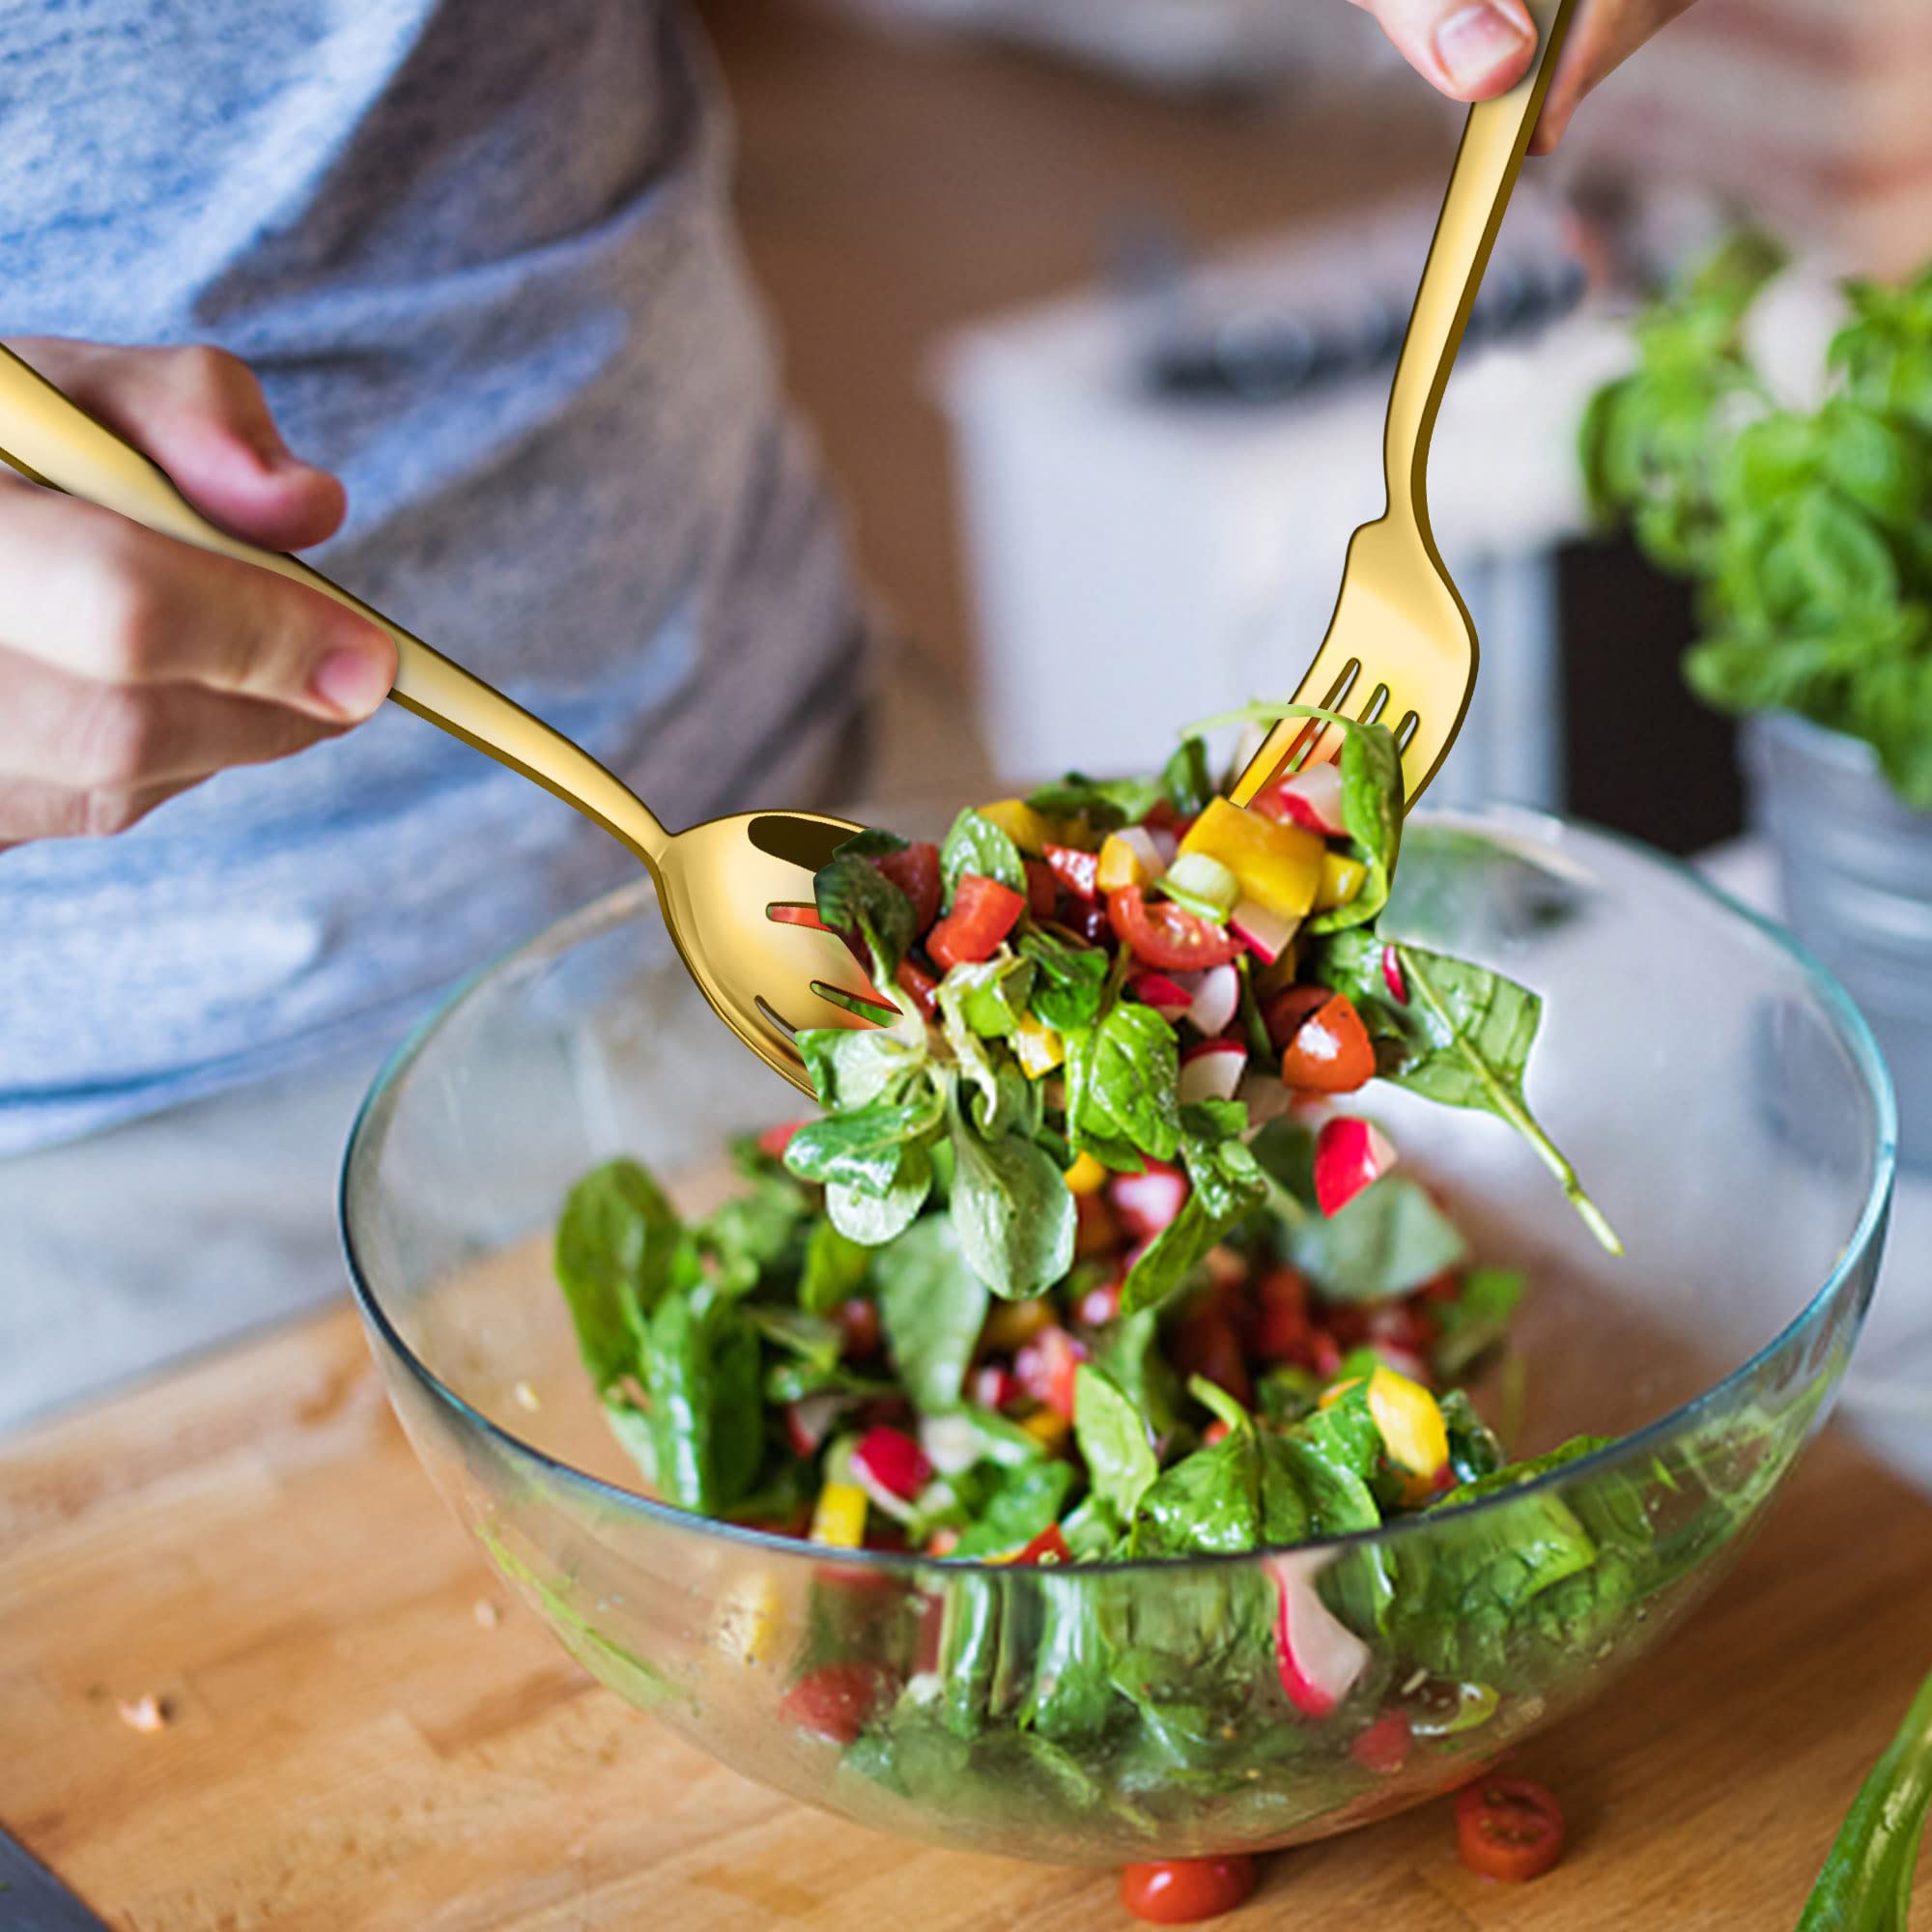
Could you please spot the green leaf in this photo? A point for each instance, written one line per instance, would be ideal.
(1127, 1352)
(751, 1234)
(1113, 1441)
(701, 1376)
(1129, 1083)
(1846, 564)
(861, 1149)
(836, 1268)
(931, 1307)
(1105, 804)
(1070, 983)
(1027, 1501)
(812, 1338)
(850, 1067)
(1388, 1241)
(1185, 780)
(874, 1219)
(989, 999)
(1012, 1211)
(975, 845)
(1207, 1504)
(1225, 1186)
(1477, 1319)
(614, 1255)
(1372, 810)
(854, 897)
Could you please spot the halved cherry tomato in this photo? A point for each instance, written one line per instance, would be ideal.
(1283, 1012)
(1330, 1052)
(1384, 1747)
(835, 1700)
(1050, 1546)
(1281, 1325)
(915, 871)
(858, 1322)
(775, 1140)
(1178, 1892)
(921, 988)
(1045, 1367)
(1508, 1827)
(983, 912)
(1077, 870)
(1167, 936)
(1042, 888)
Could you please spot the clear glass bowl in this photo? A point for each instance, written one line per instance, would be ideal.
(1717, 1092)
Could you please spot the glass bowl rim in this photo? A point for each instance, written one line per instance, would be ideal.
(1501, 824)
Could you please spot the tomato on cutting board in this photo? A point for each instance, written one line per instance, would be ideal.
(1508, 1829)
(1179, 1891)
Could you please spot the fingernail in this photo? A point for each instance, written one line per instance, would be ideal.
(1477, 44)
(350, 682)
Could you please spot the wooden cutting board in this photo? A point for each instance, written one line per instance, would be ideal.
(365, 1733)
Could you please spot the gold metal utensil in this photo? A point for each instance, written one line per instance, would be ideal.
(717, 881)
(1401, 648)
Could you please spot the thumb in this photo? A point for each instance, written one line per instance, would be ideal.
(201, 414)
(1468, 50)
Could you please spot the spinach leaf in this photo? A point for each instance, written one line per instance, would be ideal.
(1477, 1319)
(1071, 980)
(1105, 804)
(1207, 1503)
(632, 1428)
(1113, 1440)
(1185, 780)
(834, 1271)
(855, 898)
(1388, 1241)
(1127, 1352)
(1474, 1451)
(702, 1375)
(751, 1234)
(861, 1149)
(1072, 1696)
(1011, 1210)
(614, 1256)
(1026, 1502)
(1128, 1080)
(1225, 1186)
(931, 1307)
(975, 845)
(1372, 810)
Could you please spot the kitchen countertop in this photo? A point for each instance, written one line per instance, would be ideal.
(364, 1731)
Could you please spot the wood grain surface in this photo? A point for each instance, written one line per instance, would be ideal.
(364, 1732)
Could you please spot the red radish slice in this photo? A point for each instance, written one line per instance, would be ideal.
(1319, 1658)
(950, 1442)
(1166, 843)
(1216, 1000)
(1264, 933)
(889, 1460)
(1349, 1153)
(1392, 977)
(1167, 997)
(1141, 842)
(1311, 798)
(1146, 1203)
(993, 1387)
(808, 1420)
(1211, 1070)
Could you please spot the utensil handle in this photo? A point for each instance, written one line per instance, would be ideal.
(1494, 140)
(49, 439)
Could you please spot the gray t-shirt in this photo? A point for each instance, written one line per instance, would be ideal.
(481, 256)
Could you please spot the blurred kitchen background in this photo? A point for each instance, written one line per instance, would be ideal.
(1092, 303)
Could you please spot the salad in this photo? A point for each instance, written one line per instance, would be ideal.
(1036, 1292)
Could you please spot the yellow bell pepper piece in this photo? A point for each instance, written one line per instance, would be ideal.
(1038, 1047)
(1047, 1425)
(838, 1516)
(1407, 1414)
(749, 1624)
(1341, 880)
(1279, 865)
(1119, 864)
(1021, 823)
(1086, 1176)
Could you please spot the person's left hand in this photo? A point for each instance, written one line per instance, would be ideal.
(1476, 50)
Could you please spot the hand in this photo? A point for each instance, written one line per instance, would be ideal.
(132, 666)
(1476, 50)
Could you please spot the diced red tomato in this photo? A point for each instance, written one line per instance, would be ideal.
(1179, 1892)
(1077, 870)
(1280, 1323)
(1042, 888)
(1283, 1012)
(1048, 1546)
(1090, 921)
(1509, 1828)
(1045, 1367)
(1384, 1747)
(1205, 1345)
(1167, 936)
(983, 912)
(1216, 1430)
(1096, 1230)
(921, 988)
(835, 1700)
(915, 871)
(1330, 1052)
(858, 1322)
(775, 1140)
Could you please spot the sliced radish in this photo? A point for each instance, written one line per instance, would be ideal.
(993, 1387)
(1211, 1070)
(1142, 843)
(1311, 798)
(890, 1466)
(808, 1420)
(1166, 843)
(950, 1442)
(1146, 1203)
(1319, 1658)
(1392, 977)
(1169, 998)
(1350, 1152)
(1216, 1000)
(1264, 933)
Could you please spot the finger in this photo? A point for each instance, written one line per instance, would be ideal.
(1468, 50)
(31, 808)
(98, 597)
(71, 731)
(201, 414)
(1602, 38)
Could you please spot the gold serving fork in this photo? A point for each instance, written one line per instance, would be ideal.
(719, 883)
(1401, 648)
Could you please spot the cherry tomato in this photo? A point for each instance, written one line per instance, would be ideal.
(1384, 1747)
(1045, 1367)
(1166, 936)
(1077, 870)
(1042, 888)
(835, 1700)
(1050, 1547)
(775, 1140)
(1283, 1012)
(983, 912)
(1330, 1052)
(921, 988)
(1281, 1325)
(1090, 921)
(915, 871)
(858, 1322)
(1178, 1892)
(1508, 1827)
(1216, 1430)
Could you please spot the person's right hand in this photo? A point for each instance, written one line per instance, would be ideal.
(132, 666)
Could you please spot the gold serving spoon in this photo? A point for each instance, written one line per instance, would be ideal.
(719, 883)
(1401, 648)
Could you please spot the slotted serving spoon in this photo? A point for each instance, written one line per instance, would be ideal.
(717, 881)
(1401, 645)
